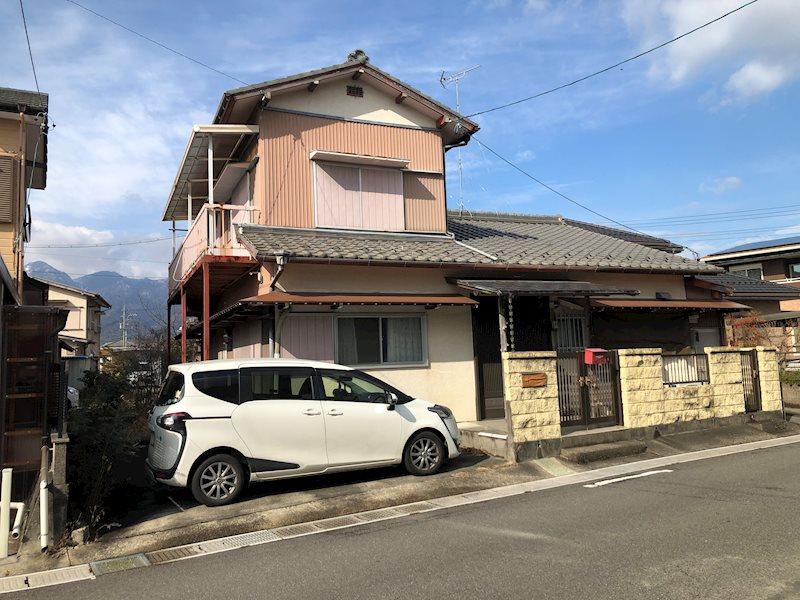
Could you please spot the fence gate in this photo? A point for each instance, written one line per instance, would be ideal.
(588, 395)
(752, 386)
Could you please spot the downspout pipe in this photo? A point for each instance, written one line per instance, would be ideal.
(280, 260)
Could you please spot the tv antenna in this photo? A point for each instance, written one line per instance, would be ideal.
(455, 78)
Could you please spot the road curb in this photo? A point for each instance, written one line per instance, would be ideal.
(266, 536)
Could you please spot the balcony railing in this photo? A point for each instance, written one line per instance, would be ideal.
(221, 219)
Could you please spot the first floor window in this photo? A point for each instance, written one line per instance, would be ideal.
(380, 340)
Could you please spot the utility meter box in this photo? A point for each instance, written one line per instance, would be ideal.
(595, 356)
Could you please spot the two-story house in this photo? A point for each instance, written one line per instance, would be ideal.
(30, 401)
(317, 227)
(776, 260)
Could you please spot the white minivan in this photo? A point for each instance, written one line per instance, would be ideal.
(219, 424)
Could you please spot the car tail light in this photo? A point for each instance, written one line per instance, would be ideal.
(174, 421)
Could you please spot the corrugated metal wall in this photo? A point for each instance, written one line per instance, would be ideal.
(424, 202)
(287, 139)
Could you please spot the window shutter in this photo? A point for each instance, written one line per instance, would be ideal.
(382, 200)
(8, 187)
(338, 197)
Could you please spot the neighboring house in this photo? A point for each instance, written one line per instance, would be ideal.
(318, 228)
(80, 338)
(775, 260)
(32, 400)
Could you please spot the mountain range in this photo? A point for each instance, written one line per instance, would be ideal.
(144, 300)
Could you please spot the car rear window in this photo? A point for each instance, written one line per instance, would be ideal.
(171, 390)
(222, 385)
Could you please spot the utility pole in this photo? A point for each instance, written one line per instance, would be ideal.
(123, 325)
(455, 79)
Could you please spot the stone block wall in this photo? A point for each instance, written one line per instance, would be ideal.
(725, 373)
(532, 413)
(769, 376)
(641, 386)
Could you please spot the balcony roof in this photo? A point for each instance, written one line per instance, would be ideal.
(192, 176)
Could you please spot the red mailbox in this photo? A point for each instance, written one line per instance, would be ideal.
(595, 356)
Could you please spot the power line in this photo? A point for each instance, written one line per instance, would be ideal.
(552, 189)
(128, 243)
(30, 52)
(751, 213)
(614, 66)
(107, 275)
(156, 42)
(107, 258)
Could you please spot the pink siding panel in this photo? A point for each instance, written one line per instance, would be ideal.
(308, 337)
(337, 197)
(382, 200)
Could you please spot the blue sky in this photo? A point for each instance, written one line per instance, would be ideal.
(706, 125)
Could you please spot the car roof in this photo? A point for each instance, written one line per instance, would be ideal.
(237, 363)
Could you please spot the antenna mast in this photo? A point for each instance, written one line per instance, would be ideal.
(455, 78)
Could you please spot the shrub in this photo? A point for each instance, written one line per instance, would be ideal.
(102, 436)
(790, 377)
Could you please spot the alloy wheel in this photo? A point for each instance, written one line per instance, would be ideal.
(218, 480)
(424, 454)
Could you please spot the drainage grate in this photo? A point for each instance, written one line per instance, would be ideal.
(333, 523)
(13, 584)
(238, 541)
(57, 576)
(170, 554)
(295, 530)
(122, 563)
(448, 501)
(382, 513)
(417, 507)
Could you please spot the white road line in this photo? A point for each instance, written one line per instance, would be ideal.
(180, 508)
(618, 479)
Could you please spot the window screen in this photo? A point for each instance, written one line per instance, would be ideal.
(222, 385)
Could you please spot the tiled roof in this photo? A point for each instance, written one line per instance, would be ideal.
(542, 241)
(503, 240)
(752, 289)
(339, 245)
(11, 99)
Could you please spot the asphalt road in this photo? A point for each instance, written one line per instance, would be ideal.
(717, 528)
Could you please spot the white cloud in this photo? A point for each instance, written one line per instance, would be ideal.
(756, 78)
(140, 260)
(752, 52)
(720, 185)
(524, 156)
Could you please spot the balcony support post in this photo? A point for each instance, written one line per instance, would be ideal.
(183, 324)
(206, 310)
(169, 336)
(189, 213)
(212, 237)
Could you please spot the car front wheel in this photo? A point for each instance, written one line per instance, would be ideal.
(424, 454)
(218, 480)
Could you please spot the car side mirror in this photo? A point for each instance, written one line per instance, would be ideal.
(391, 399)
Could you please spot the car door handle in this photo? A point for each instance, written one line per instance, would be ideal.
(335, 412)
(312, 412)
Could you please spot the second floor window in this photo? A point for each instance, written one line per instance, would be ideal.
(749, 271)
(793, 270)
(353, 197)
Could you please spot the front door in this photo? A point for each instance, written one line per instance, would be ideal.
(486, 341)
(359, 426)
(280, 421)
(705, 337)
(588, 395)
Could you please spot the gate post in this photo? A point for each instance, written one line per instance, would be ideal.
(769, 378)
(725, 374)
(641, 383)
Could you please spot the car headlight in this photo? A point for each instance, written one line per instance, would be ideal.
(440, 410)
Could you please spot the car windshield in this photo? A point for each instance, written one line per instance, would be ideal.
(171, 390)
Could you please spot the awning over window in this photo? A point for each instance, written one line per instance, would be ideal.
(524, 287)
(669, 304)
(360, 299)
(359, 159)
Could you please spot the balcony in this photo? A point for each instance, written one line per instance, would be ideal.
(211, 233)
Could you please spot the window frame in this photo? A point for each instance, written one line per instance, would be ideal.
(789, 265)
(424, 363)
(742, 269)
(246, 383)
(315, 164)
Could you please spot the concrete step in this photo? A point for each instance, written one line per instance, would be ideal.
(591, 437)
(587, 454)
(490, 443)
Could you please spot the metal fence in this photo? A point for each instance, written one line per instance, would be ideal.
(685, 369)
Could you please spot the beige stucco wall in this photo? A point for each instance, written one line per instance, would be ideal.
(647, 284)
(331, 98)
(532, 412)
(83, 320)
(449, 378)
